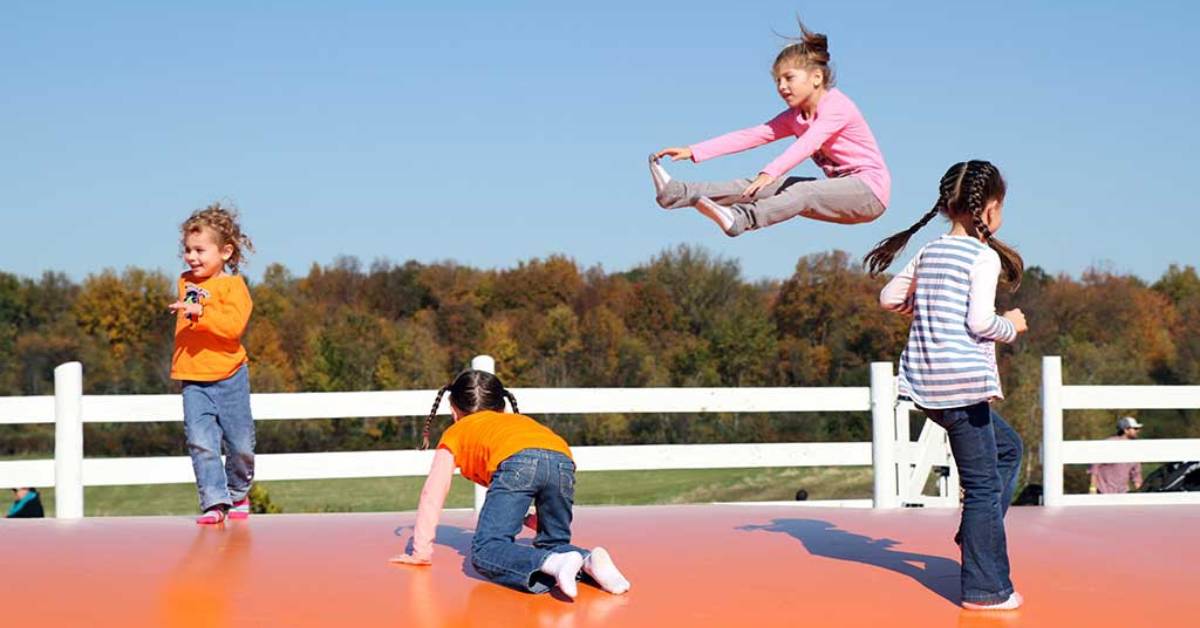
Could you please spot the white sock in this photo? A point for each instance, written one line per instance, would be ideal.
(718, 213)
(565, 569)
(661, 177)
(600, 566)
(1013, 602)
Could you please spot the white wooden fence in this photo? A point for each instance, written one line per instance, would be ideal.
(900, 466)
(1056, 398)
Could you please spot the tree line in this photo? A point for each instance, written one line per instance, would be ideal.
(684, 318)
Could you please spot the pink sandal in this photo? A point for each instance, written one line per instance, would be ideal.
(240, 509)
(212, 516)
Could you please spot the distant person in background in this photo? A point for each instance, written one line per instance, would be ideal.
(1115, 477)
(26, 505)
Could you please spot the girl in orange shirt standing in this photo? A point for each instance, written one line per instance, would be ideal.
(521, 462)
(210, 361)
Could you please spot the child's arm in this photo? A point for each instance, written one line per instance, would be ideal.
(744, 139)
(981, 303)
(897, 295)
(832, 121)
(227, 315)
(433, 497)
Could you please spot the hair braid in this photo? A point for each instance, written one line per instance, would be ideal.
(1012, 266)
(437, 402)
(886, 250)
(512, 401)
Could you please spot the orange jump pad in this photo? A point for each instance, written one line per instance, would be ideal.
(690, 566)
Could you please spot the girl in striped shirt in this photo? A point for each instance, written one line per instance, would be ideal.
(948, 367)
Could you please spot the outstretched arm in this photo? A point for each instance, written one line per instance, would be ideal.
(433, 497)
(744, 139)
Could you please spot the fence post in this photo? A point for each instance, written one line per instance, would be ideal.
(1052, 431)
(488, 364)
(883, 435)
(68, 441)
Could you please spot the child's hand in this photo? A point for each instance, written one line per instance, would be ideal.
(762, 180)
(1017, 318)
(906, 308)
(675, 153)
(191, 309)
(411, 559)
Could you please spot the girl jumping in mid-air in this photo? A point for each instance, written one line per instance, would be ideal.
(948, 367)
(212, 311)
(521, 462)
(828, 128)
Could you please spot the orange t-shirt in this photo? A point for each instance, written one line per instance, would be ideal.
(481, 441)
(209, 348)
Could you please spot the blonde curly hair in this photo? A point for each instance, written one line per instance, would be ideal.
(223, 221)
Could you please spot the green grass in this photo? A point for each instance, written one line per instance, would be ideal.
(392, 494)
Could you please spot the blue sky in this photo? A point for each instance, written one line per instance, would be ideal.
(491, 132)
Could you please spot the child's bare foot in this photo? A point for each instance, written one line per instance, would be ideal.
(565, 568)
(1013, 602)
(600, 566)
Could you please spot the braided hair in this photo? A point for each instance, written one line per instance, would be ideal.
(963, 194)
(471, 391)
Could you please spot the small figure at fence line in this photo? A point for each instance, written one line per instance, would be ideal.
(27, 504)
(1115, 477)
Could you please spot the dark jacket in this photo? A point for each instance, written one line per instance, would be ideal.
(30, 508)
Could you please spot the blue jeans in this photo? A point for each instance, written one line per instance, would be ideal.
(987, 452)
(545, 478)
(215, 414)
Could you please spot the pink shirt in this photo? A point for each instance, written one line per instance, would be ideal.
(1116, 477)
(836, 137)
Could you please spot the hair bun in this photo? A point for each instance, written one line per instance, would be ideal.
(816, 42)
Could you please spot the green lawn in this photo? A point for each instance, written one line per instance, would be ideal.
(391, 494)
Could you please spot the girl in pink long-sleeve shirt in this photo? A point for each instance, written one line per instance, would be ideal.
(829, 128)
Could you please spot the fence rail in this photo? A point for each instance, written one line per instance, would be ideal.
(1057, 398)
(68, 409)
(900, 466)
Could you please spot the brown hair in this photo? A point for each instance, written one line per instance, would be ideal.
(965, 190)
(223, 221)
(809, 51)
(471, 391)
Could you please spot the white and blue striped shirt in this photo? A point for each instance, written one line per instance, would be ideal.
(950, 358)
